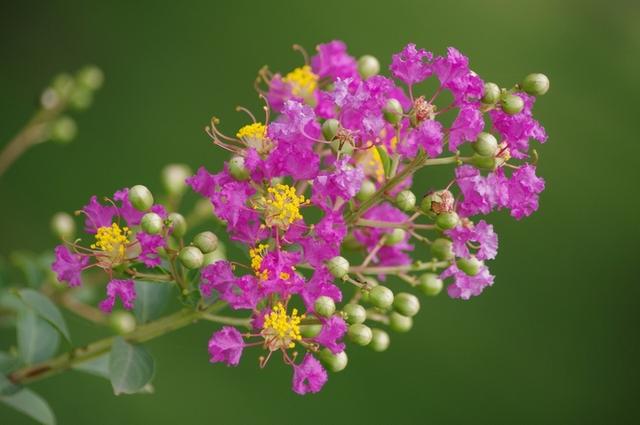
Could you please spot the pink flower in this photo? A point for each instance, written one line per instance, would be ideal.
(465, 286)
(149, 245)
(333, 330)
(466, 127)
(97, 215)
(68, 266)
(524, 188)
(427, 135)
(333, 61)
(454, 74)
(480, 233)
(411, 65)
(226, 346)
(123, 289)
(309, 376)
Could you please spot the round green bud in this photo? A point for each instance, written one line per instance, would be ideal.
(334, 362)
(535, 84)
(470, 266)
(511, 103)
(151, 223)
(140, 197)
(80, 98)
(447, 220)
(484, 162)
(173, 178)
(237, 168)
(397, 235)
(122, 322)
(206, 241)
(442, 249)
(400, 323)
(360, 334)
(366, 191)
(381, 296)
(430, 284)
(486, 144)
(406, 200)
(64, 130)
(330, 128)
(392, 111)
(191, 257)
(338, 267)
(324, 306)
(63, 226)
(345, 148)
(63, 84)
(354, 313)
(178, 224)
(380, 340)
(425, 205)
(368, 66)
(406, 304)
(310, 331)
(217, 255)
(90, 77)
(491, 93)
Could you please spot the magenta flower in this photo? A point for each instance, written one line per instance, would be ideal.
(524, 188)
(343, 182)
(320, 284)
(149, 245)
(240, 293)
(333, 330)
(481, 233)
(333, 61)
(226, 346)
(454, 74)
(131, 215)
(279, 92)
(97, 215)
(465, 286)
(411, 65)
(466, 127)
(480, 194)
(68, 266)
(428, 135)
(309, 376)
(123, 289)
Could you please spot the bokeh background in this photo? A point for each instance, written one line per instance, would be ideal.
(554, 341)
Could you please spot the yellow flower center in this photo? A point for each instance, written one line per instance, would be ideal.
(254, 131)
(280, 329)
(112, 239)
(303, 82)
(281, 205)
(257, 255)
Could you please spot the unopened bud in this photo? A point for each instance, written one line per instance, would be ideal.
(330, 129)
(447, 220)
(206, 241)
(535, 84)
(191, 257)
(360, 334)
(343, 147)
(442, 249)
(406, 304)
(80, 98)
(325, 306)
(63, 226)
(140, 197)
(406, 200)
(470, 266)
(338, 267)
(491, 93)
(122, 322)
(178, 224)
(511, 103)
(392, 111)
(397, 235)
(63, 84)
(64, 130)
(217, 255)
(484, 162)
(310, 331)
(366, 191)
(151, 223)
(486, 144)
(334, 362)
(380, 340)
(237, 168)
(368, 66)
(173, 178)
(90, 77)
(430, 284)
(381, 296)
(400, 323)
(354, 313)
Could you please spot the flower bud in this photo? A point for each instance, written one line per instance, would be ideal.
(354, 313)
(491, 93)
(310, 331)
(151, 223)
(140, 197)
(217, 255)
(392, 111)
(334, 362)
(441, 249)
(90, 77)
(338, 267)
(330, 129)
(511, 104)
(178, 224)
(484, 162)
(122, 322)
(397, 235)
(486, 144)
(191, 257)
(430, 284)
(381, 296)
(447, 220)
(400, 323)
(535, 84)
(366, 191)
(406, 200)
(63, 226)
(173, 178)
(343, 147)
(64, 130)
(360, 334)
(368, 66)
(406, 304)
(470, 266)
(80, 98)
(380, 340)
(237, 168)
(324, 306)
(206, 241)
(63, 84)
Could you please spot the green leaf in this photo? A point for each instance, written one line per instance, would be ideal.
(97, 367)
(8, 362)
(7, 387)
(45, 309)
(384, 158)
(37, 339)
(151, 300)
(29, 403)
(30, 267)
(131, 367)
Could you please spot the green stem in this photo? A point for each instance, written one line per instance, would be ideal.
(432, 265)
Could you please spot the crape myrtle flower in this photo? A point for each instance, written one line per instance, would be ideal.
(465, 286)
(411, 65)
(123, 289)
(333, 61)
(465, 235)
(68, 266)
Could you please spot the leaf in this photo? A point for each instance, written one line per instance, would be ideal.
(7, 387)
(30, 267)
(8, 362)
(37, 339)
(29, 403)
(151, 301)
(130, 367)
(45, 309)
(97, 367)
(384, 159)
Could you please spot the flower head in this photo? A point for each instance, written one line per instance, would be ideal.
(309, 376)
(411, 65)
(68, 266)
(281, 330)
(226, 346)
(123, 289)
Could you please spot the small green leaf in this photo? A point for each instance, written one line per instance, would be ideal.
(7, 387)
(130, 367)
(151, 300)
(384, 158)
(97, 367)
(8, 362)
(29, 403)
(45, 309)
(37, 339)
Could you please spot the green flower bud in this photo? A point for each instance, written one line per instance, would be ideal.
(486, 144)
(430, 284)
(140, 197)
(330, 128)
(381, 296)
(484, 162)
(366, 191)
(178, 224)
(237, 168)
(400, 323)
(447, 220)
(310, 331)
(441, 249)
(354, 313)
(63, 226)
(173, 178)
(191, 257)
(206, 241)
(397, 235)
(406, 304)
(360, 334)
(64, 130)
(122, 322)
(63, 84)
(80, 98)
(151, 223)
(535, 84)
(470, 266)
(345, 148)
(392, 111)
(217, 255)
(334, 362)
(406, 200)
(491, 93)
(338, 267)
(511, 104)
(368, 66)
(90, 77)
(380, 340)
(325, 306)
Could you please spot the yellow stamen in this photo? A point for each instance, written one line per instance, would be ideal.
(112, 239)
(284, 328)
(257, 255)
(254, 131)
(281, 206)
(303, 81)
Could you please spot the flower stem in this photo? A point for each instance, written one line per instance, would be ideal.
(432, 265)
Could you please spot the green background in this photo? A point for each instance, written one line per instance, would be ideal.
(553, 341)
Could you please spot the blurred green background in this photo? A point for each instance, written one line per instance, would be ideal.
(554, 341)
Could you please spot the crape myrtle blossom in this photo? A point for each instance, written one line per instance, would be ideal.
(326, 217)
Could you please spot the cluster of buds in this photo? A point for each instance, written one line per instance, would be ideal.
(319, 195)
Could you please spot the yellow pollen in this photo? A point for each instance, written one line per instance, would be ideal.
(284, 275)
(255, 131)
(283, 326)
(257, 255)
(282, 206)
(303, 81)
(376, 164)
(112, 239)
